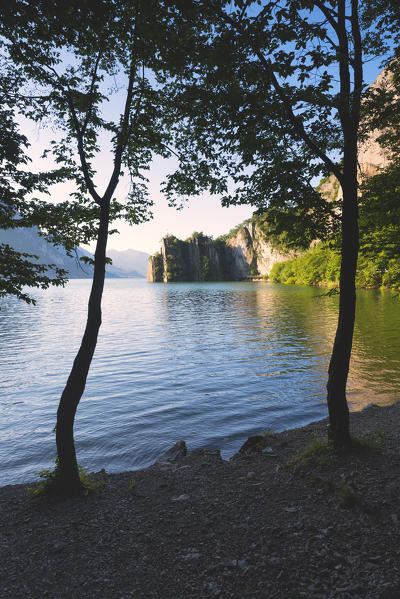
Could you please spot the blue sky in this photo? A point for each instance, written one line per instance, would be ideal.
(200, 214)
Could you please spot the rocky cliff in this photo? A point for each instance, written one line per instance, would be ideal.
(244, 254)
(371, 155)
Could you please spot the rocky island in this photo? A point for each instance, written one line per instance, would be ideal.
(245, 253)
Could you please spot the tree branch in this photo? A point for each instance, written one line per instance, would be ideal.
(136, 115)
(327, 14)
(79, 137)
(296, 121)
(91, 93)
(81, 149)
(357, 62)
(345, 84)
(123, 133)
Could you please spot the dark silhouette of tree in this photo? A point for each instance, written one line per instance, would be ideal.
(77, 57)
(273, 95)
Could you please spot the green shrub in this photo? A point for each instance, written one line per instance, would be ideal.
(49, 478)
(319, 454)
(369, 273)
(391, 277)
(320, 265)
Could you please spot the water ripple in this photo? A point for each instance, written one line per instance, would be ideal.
(210, 363)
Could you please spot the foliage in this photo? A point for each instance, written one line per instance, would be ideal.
(250, 68)
(205, 269)
(60, 68)
(347, 498)
(318, 265)
(233, 232)
(379, 257)
(321, 265)
(374, 441)
(158, 267)
(19, 269)
(254, 271)
(284, 236)
(76, 59)
(320, 453)
(17, 184)
(199, 236)
(48, 485)
(173, 268)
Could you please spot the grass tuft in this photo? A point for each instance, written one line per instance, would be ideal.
(48, 485)
(347, 498)
(319, 454)
(374, 440)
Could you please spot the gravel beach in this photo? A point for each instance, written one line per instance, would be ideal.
(195, 526)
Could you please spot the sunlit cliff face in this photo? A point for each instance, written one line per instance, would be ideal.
(371, 155)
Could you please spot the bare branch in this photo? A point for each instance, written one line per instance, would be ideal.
(328, 14)
(81, 149)
(123, 134)
(91, 92)
(79, 137)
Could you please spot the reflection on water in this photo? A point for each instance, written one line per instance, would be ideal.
(210, 363)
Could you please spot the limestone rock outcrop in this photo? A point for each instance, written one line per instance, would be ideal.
(244, 255)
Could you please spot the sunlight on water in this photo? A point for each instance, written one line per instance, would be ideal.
(210, 363)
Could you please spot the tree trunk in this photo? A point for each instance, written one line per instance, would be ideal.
(339, 431)
(68, 479)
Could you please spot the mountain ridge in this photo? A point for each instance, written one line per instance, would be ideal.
(29, 241)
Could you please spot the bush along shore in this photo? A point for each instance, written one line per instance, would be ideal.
(284, 518)
(320, 265)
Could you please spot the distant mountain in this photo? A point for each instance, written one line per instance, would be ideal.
(29, 241)
(131, 262)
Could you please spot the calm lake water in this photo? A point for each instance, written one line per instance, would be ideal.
(210, 363)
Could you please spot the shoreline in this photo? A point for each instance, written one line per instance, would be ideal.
(197, 526)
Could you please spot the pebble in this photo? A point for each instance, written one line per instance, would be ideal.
(182, 497)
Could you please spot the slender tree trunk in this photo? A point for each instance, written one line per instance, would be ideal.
(67, 468)
(339, 431)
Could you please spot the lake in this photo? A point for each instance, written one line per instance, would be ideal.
(211, 363)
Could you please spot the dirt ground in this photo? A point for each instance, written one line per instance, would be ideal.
(196, 526)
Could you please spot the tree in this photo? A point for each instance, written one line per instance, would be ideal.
(273, 94)
(19, 269)
(74, 61)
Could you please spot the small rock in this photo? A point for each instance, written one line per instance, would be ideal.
(182, 497)
(275, 561)
(270, 452)
(191, 554)
(206, 453)
(251, 474)
(212, 588)
(179, 450)
(393, 593)
(252, 446)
